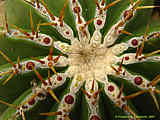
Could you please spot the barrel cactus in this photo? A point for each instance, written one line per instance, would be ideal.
(79, 60)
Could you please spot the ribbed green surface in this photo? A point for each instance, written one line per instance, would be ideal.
(19, 87)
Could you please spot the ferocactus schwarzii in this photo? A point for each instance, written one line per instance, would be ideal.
(85, 60)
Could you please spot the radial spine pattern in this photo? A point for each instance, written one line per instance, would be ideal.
(89, 59)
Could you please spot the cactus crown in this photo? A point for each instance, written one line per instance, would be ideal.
(85, 58)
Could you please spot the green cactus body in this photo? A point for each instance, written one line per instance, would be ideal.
(85, 60)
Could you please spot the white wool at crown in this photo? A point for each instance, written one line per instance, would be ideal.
(89, 60)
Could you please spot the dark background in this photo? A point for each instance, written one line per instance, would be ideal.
(156, 11)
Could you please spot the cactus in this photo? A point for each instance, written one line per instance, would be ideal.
(79, 60)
